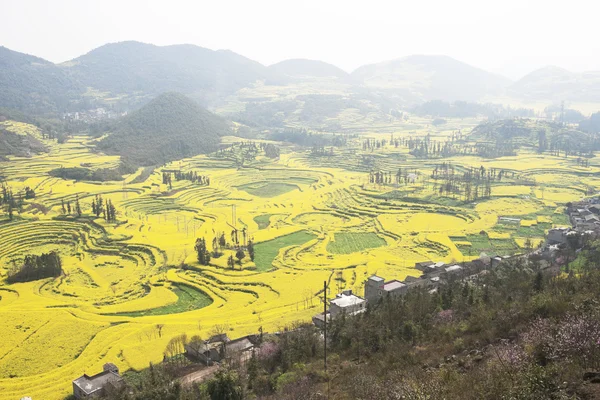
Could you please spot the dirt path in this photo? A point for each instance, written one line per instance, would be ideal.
(199, 376)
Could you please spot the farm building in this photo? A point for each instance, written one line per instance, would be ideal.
(86, 386)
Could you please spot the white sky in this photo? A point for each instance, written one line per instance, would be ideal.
(510, 37)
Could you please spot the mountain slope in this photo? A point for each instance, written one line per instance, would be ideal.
(420, 78)
(35, 85)
(557, 84)
(170, 127)
(145, 69)
(303, 68)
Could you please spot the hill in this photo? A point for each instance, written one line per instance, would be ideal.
(544, 135)
(170, 127)
(557, 84)
(302, 68)
(33, 84)
(129, 68)
(420, 78)
(12, 144)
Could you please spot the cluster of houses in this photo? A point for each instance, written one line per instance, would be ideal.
(216, 349)
(376, 288)
(585, 215)
(585, 220)
(92, 115)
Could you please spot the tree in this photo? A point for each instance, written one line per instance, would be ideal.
(231, 262)
(225, 386)
(77, 206)
(202, 252)
(251, 249)
(240, 255)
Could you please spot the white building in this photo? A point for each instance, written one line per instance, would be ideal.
(347, 303)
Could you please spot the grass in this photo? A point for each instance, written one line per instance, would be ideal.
(263, 221)
(266, 252)
(188, 299)
(483, 244)
(267, 189)
(352, 242)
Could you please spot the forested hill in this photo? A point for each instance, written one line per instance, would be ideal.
(543, 135)
(34, 85)
(170, 127)
(134, 67)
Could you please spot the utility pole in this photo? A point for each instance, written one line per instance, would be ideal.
(325, 324)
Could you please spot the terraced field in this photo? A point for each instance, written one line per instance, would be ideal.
(310, 218)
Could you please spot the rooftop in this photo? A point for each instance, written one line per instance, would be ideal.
(91, 384)
(392, 285)
(453, 268)
(343, 300)
(376, 278)
(240, 344)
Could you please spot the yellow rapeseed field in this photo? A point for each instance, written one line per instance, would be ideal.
(123, 279)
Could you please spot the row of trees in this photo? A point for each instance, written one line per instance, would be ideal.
(67, 209)
(386, 178)
(36, 267)
(192, 176)
(104, 208)
(9, 202)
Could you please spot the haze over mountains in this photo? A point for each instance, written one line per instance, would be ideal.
(127, 75)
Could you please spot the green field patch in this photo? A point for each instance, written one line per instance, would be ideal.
(477, 244)
(266, 252)
(536, 230)
(188, 299)
(267, 189)
(352, 242)
(263, 221)
(560, 219)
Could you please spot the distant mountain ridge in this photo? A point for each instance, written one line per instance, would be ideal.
(34, 85)
(135, 67)
(557, 84)
(425, 77)
(300, 67)
(126, 75)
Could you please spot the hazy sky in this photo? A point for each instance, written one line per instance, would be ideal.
(511, 37)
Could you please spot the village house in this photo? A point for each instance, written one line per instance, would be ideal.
(86, 387)
(320, 319)
(557, 236)
(423, 265)
(347, 303)
(218, 348)
(376, 288)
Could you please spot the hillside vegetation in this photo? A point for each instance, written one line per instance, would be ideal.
(170, 127)
(544, 135)
(32, 84)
